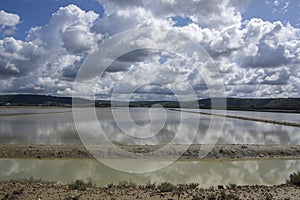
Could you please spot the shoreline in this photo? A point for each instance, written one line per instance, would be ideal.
(31, 189)
(218, 152)
(43, 189)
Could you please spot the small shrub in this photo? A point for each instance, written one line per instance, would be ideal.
(232, 186)
(13, 195)
(211, 188)
(141, 187)
(294, 179)
(90, 182)
(31, 180)
(126, 184)
(150, 186)
(166, 187)
(187, 186)
(18, 191)
(193, 185)
(268, 197)
(223, 195)
(233, 197)
(79, 185)
(212, 196)
(182, 186)
(196, 197)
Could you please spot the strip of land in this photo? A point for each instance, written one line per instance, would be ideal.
(219, 151)
(128, 191)
(285, 123)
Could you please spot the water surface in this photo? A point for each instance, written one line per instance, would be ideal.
(206, 173)
(56, 126)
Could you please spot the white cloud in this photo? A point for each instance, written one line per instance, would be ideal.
(66, 26)
(204, 13)
(129, 18)
(277, 2)
(273, 43)
(8, 19)
(257, 58)
(281, 6)
(49, 53)
(286, 6)
(8, 22)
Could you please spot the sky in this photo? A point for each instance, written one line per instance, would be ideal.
(255, 45)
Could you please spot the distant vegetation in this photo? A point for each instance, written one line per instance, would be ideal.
(24, 100)
(288, 104)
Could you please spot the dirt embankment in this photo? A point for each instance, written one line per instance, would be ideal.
(128, 191)
(220, 151)
(285, 123)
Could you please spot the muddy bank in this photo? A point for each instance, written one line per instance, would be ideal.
(284, 123)
(220, 151)
(42, 190)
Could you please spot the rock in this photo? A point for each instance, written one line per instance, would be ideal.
(72, 197)
(220, 187)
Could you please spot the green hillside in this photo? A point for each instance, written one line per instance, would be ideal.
(288, 104)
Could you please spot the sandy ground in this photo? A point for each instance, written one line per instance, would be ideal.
(218, 152)
(25, 190)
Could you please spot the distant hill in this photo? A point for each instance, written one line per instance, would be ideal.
(28, 99)
(276, 104)
(271, 104)
(264, 104)
(280, 104)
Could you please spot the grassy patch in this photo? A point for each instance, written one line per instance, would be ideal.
(166, 187)
(187, 186)
(80, 185)
(127, 184)
(294, 179)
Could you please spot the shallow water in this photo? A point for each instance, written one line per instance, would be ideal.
(206, 173)
(56, 126)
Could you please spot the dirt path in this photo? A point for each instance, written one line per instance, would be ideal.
(218, 152)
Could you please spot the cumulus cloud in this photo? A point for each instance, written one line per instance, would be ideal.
(8, 21)
(18, 57)
(205, 13)
(267, 52)
(52, 52)
(273, 41)
(69, 27)
(257, 58)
